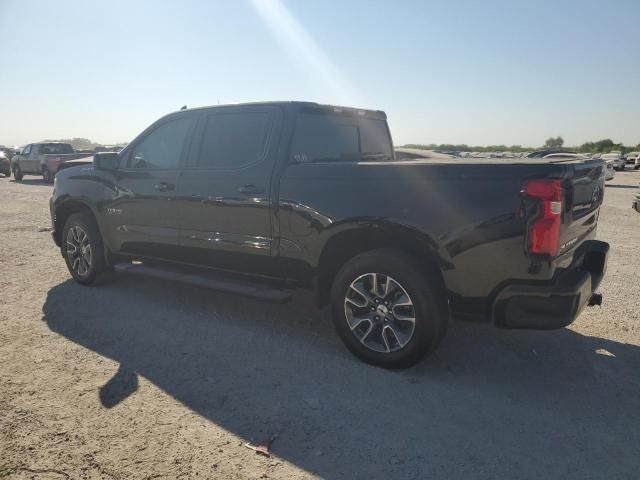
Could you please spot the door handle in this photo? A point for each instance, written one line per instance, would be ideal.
(251, 189)
(164, 186)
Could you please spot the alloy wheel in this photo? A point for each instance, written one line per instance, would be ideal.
(78, 250)
(380, 312)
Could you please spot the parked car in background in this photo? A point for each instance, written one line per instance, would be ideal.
(631, 157)
(8, 151)
(258, 199)
(417, 153)
(42, 159)
(610, 171)
(544, 153)
(107, 148)
(618, 161)
(565, 155)
(5, 164)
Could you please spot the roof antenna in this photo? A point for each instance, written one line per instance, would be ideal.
(184, 107)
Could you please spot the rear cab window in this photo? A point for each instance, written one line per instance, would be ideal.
(56, 148)
(335, 137)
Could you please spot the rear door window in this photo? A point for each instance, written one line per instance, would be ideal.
(234, 139)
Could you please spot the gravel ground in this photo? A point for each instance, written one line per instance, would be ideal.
(142, 378)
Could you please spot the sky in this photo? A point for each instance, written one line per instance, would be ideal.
(488, 72)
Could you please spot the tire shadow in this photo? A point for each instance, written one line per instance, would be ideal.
(487, 404)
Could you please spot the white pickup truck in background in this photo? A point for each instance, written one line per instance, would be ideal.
(42, 159)
(617, 158)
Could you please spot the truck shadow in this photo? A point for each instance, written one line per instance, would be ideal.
(489, 403)
(634, 187)
(32, 181)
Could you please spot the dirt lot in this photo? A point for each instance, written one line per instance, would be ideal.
(149, 379)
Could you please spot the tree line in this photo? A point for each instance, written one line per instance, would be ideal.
(601, 146)
(79, 143)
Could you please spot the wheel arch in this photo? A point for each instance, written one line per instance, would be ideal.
(64, 210)
(352, 240)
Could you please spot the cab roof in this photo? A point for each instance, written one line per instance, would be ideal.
(300, 106)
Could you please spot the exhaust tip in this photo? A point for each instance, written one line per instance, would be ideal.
(596, 299)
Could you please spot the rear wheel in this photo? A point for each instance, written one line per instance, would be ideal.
(83, 249)
(388, 312)
(17, 173)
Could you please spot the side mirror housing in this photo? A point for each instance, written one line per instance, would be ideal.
(106, 161)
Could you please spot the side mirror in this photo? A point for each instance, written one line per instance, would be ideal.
(106, 161)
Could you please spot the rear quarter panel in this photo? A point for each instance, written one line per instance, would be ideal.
(468, 215)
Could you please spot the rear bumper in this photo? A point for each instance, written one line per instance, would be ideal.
(557, 304)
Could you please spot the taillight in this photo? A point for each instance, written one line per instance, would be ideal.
(544, 231)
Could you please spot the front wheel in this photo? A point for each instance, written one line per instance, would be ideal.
(17, 173)
(82, 248)
(46, 175)
(388, 312)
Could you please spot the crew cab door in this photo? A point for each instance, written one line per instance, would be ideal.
(141, 215)
(20, 157)
(225, 190)
(29, 161)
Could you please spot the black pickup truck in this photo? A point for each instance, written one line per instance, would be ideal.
(260, 199)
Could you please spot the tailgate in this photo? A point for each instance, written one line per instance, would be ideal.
(584, 192)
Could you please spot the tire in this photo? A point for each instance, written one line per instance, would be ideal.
(17, 173)
(385, 336)
(87, 264)
(46, 175)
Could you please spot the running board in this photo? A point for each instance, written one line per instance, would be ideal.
(227, 284)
